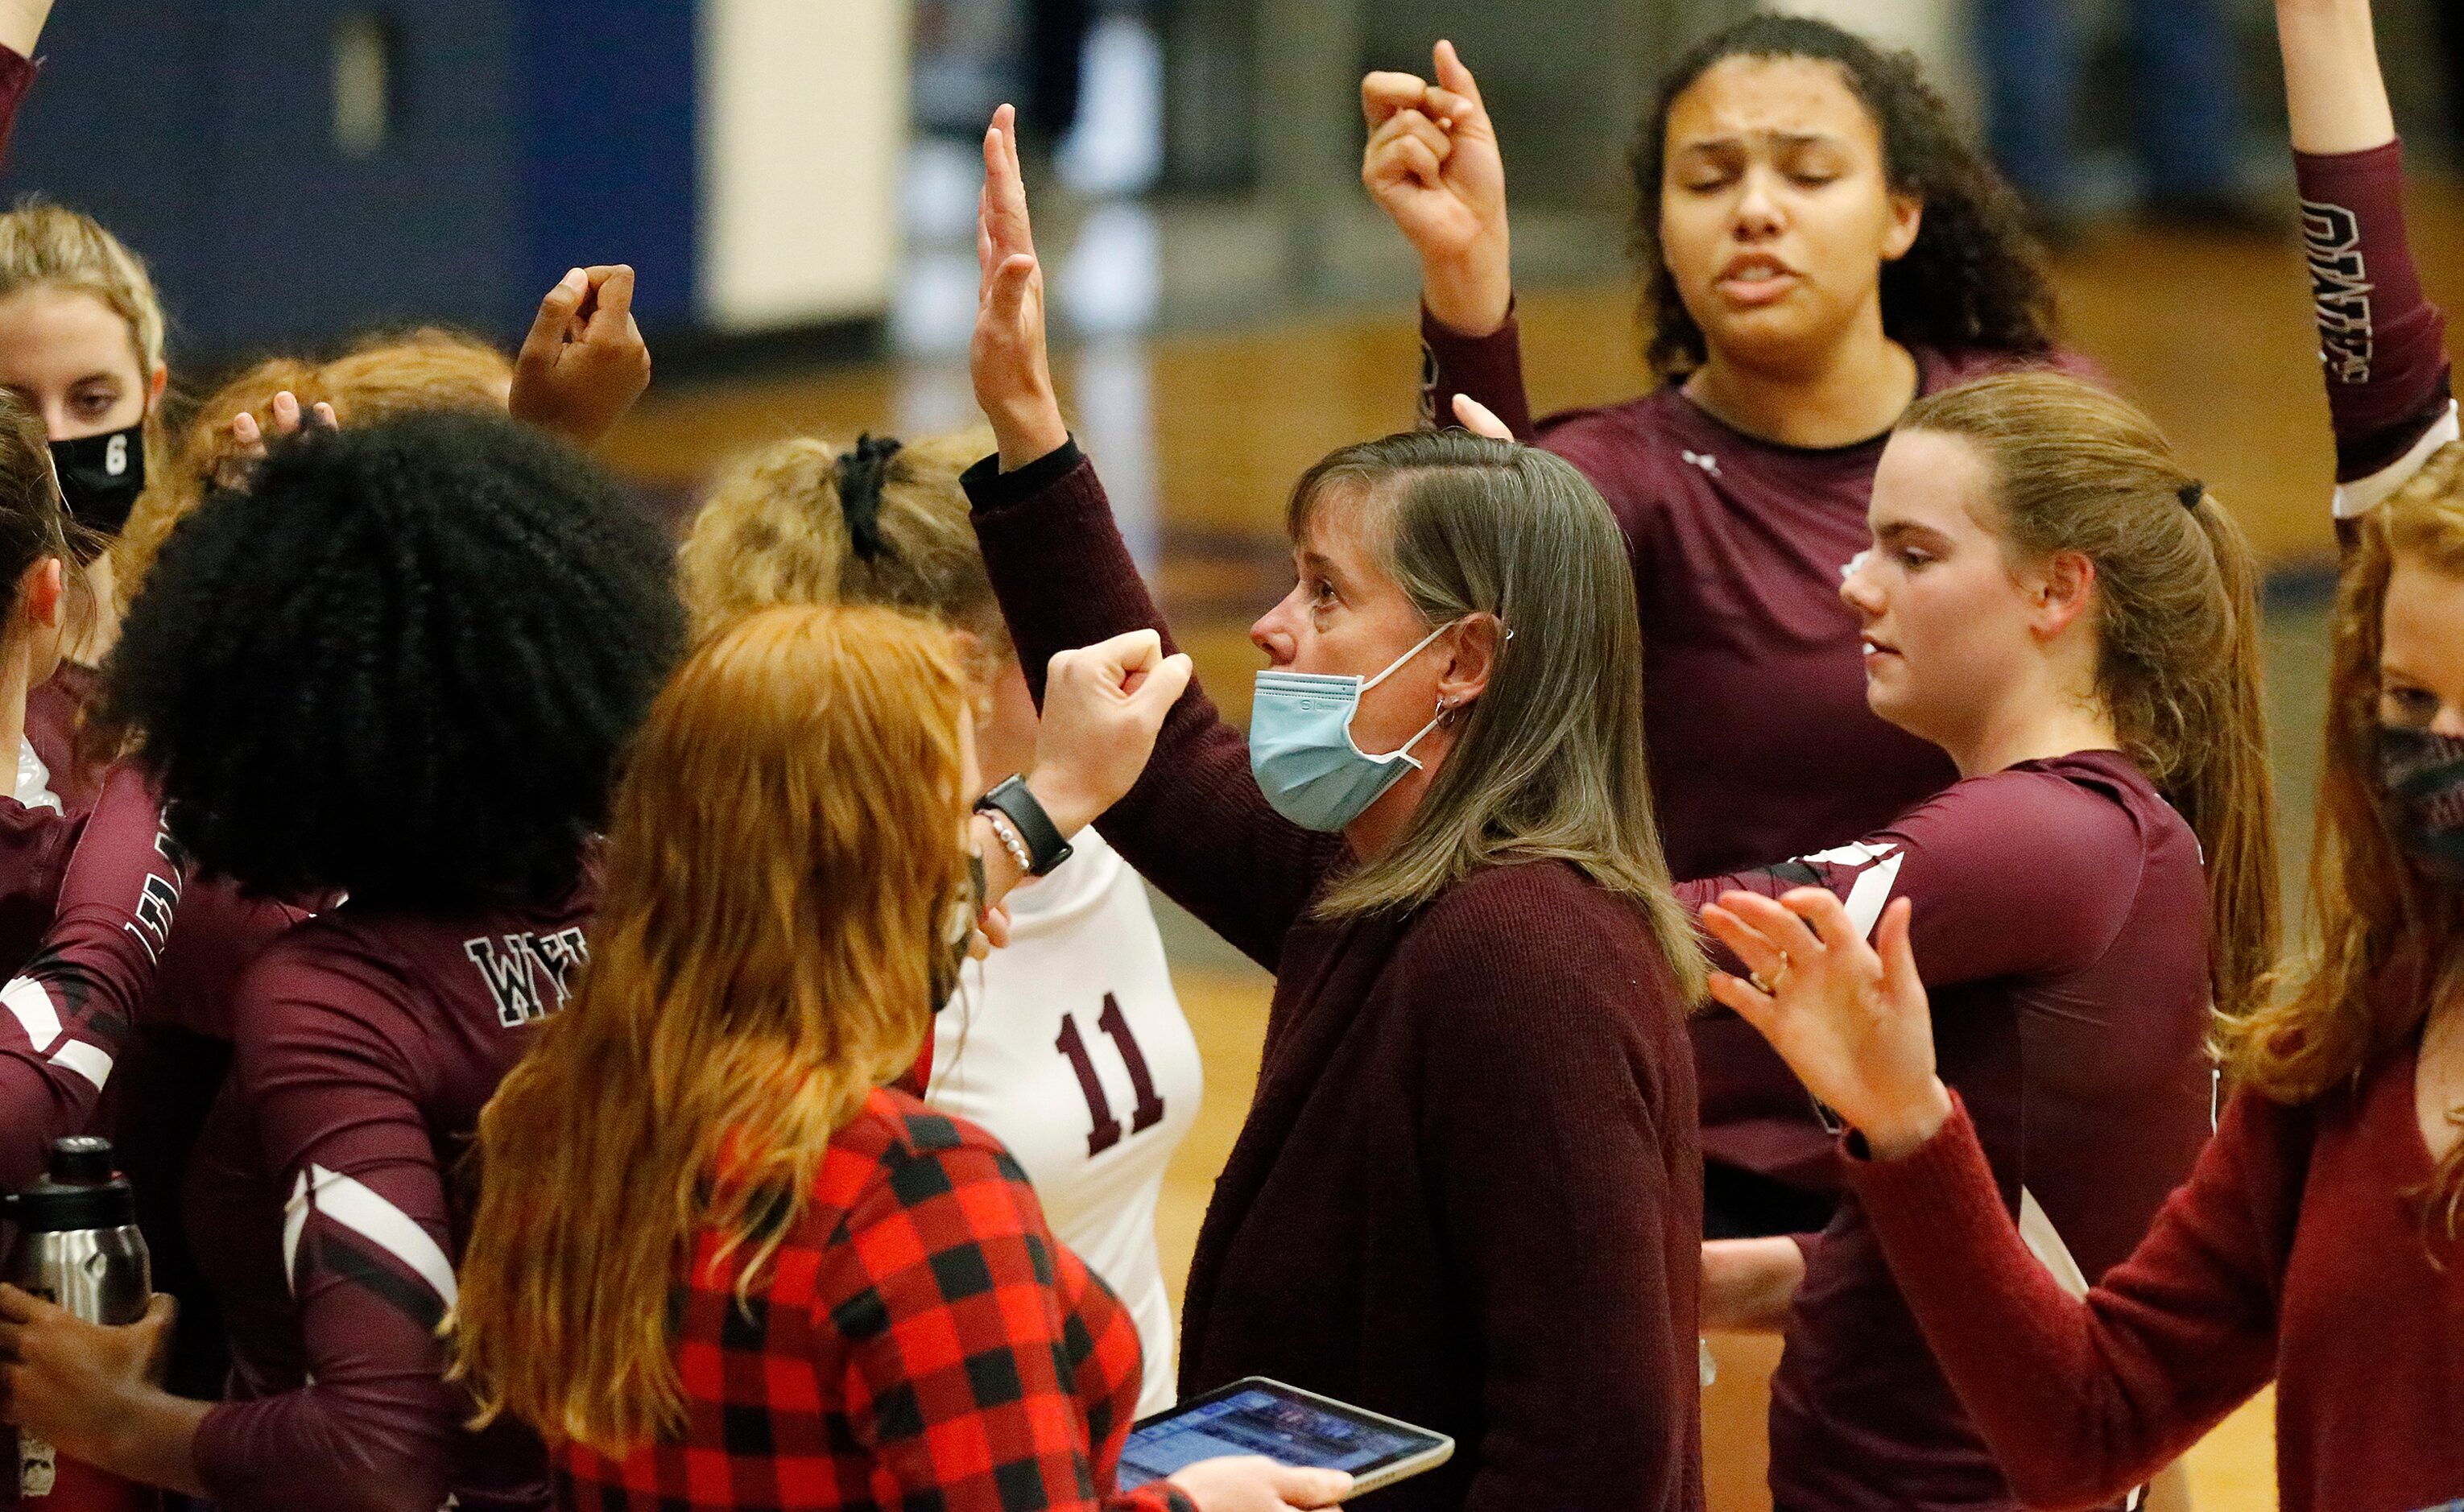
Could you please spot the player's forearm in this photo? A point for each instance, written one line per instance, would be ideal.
(2333, 87)
(1470, 293)
(1749, 1284)
(21, 24)
(155, 1441)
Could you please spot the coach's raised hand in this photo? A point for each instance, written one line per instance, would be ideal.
(585, 361)
(1012, 374)
(1434, 166)
(1850, 1019)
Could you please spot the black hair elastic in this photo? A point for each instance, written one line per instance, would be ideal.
(862, 473)
(2191, 492)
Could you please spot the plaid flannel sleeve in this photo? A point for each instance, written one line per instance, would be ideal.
(985, 1367)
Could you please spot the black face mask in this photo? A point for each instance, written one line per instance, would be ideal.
(2421, 782)
(959, 930)
(100, 476)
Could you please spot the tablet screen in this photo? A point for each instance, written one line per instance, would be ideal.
(1260, 1420)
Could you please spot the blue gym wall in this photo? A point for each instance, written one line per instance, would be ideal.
(527, 138)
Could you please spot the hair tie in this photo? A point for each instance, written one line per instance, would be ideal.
(862, 471)
(2191, 492)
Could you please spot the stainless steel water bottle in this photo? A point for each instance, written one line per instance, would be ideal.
(78, 1246)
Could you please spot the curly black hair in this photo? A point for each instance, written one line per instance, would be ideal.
(1976, 279)
(401, 663)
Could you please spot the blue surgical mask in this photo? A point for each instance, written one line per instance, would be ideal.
(1301, 750)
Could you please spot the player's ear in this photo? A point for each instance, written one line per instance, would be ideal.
(2062, 588)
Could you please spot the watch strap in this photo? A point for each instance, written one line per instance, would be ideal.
(1016, 802)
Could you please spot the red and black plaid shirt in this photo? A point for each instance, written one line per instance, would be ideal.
(919, 1341)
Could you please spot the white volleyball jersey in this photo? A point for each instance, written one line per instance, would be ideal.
(1070, 1048)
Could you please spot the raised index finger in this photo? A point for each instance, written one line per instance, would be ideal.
(1005, 187)
(1386, 92)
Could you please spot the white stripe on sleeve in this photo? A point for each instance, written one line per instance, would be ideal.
(89, 1061)
(1872, 892)
(294, 1218)
(363, 1212)
(32, 1002)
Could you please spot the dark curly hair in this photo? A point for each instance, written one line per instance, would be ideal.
(1975, 277)
(401, 663)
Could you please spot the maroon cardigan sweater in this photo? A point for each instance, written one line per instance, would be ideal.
(1467, 1192)
(2296, 1252)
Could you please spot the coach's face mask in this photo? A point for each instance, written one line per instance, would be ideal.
(100, 476)
(1301, 750)
(2421, 780)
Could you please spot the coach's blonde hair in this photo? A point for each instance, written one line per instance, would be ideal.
(380, 377)
(2075, 468)
(786, 845)
(2384, 941)
(774, 530)
(1550, 763)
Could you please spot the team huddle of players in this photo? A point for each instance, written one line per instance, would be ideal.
(598, 1023)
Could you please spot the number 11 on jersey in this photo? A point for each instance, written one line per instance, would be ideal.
(1148, 1111)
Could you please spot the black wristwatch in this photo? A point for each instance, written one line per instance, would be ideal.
(1046, 848)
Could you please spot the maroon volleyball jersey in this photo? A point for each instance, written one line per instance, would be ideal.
(324, 1204)
(2061, 924)
(55, 721)
(71, 1005)
(1761, 744)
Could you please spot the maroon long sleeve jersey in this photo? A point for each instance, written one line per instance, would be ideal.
(323, 1206)
(71, 1006)
(2298, 1249)
(2061, 925)
(1761, 743)
(2300, 1236)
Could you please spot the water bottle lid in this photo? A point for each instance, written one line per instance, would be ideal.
(81, 1160)
(80, 1190)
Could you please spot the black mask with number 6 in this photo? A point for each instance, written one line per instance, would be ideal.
(957, 931)
(100, 476)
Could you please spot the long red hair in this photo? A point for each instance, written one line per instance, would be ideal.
(785, 848)
(2385, 941)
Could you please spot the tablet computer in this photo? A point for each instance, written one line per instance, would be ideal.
(1259, 1417)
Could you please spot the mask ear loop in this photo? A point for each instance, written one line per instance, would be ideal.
(1445, 710)
(1415, 650)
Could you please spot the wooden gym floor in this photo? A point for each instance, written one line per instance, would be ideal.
(1204, 434)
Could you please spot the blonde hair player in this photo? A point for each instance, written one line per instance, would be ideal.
(1068, 1045)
